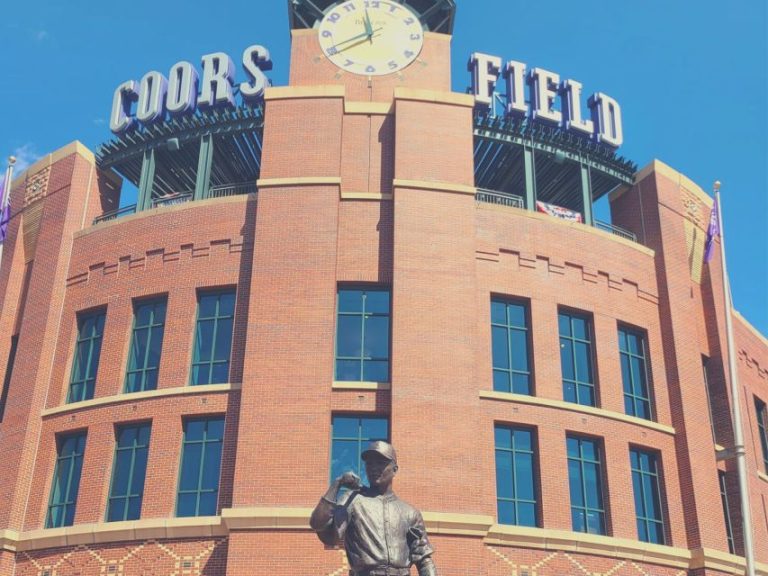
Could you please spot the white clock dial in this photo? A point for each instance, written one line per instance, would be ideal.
(371, 37)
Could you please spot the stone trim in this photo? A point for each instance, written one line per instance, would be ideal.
(435, 186)
(300, 181)
(309, 92)
(571, 407)
(365, 196)
(373, 108)
(75, 147)
(435, 97)
(472, 525)
(748, 326)
(763, 477)
(361, 386)
(141, 397)
(680, 179)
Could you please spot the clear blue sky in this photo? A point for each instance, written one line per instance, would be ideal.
(691, 77)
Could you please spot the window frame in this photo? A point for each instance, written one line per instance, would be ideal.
(602, 493)
(761, 410)
(515, 500)
(76, 462)
(81, 319)
(199, 490)
(508, 328)
(722, 480)
(133, 448)
(656, 478)
(361, 441)
(218, 292)
(362, 359)
(151, 330)
(648, 399)
(573, 314)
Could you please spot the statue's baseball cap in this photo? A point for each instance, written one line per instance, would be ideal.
(380, 447)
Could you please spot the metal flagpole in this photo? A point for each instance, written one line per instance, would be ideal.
(738, 433)
(7, 185)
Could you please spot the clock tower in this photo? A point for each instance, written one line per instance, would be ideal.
(367, 180)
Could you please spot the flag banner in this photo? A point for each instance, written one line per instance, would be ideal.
(712, 231)
(558, 212)
(5, 213)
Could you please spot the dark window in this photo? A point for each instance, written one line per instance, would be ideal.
(66, 480)
(351, 434)
(515, 476)
(213, 337)
(634, 373)
(200, 467)
(362, 335)
(509, 335)
(8, 374)
(585, 477)
(726, 512)
(576, 358)
(647, 491)
(709, 391)
(90, 329)
(762, 429)
(128, 473)
(146, 345)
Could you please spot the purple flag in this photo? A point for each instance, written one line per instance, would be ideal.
(712, 231)
(5, 213)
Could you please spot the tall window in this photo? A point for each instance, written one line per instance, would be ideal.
(8, 374)
(576, 358)
(66, 480)
(200, 467)
(90, 329)
(128, 473)
(634, 373)
(213, 337)
(762, 429)
(509, 334)
(585, 477)
(146, 345)
(647, 490)
(351, 434)
(726, 512)
(515, 482)
(362, 335)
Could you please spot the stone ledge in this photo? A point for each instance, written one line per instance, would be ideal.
(361, 386)
(435, 97)
(129, 397)
(266, 518)
(571, 407)
(301, 181)
(366, 196)
(310, 92)
(435, 186)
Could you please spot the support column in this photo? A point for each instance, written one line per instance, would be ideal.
(146, 181)
(530, 181)
(586, 195)
(204, 163)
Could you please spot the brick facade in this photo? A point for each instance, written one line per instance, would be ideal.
(367, 182)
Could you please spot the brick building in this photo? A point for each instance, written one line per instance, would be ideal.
(181, 382)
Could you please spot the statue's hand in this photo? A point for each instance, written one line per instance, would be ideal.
(349, 480)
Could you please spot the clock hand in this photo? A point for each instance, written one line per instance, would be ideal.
(363, 36)
(368, 25)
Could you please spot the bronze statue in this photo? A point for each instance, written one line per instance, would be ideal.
(382, 535)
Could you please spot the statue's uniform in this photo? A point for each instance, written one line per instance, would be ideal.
(382, 534)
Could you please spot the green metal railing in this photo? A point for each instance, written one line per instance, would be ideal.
(181, 198)
(500, 198)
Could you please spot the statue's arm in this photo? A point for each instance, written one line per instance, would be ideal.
(321, 520)
(426, 567)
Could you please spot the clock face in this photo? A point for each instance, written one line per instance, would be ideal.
(371, 37)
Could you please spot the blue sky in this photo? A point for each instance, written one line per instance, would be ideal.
(691, 77)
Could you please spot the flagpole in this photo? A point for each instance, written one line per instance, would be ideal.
(738, 433)
(7, 185)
